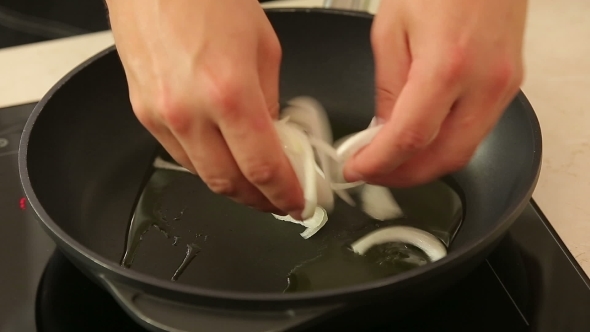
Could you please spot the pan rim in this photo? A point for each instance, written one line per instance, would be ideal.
(198, 295)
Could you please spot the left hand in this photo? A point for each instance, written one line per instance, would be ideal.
(445, 72)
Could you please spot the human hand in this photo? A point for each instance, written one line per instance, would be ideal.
(203, 79)
(445, 72)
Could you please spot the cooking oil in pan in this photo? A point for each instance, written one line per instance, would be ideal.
(434, 207)
(148, 216)
(339, 266)
(191, 251)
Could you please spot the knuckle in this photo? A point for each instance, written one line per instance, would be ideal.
(503, 76)
(138, 104)
(221, 186)
(262, 173)
(140, 108)
(455, 67)
(173, 112)
(504, 79)
(145, 117)
(223, 92)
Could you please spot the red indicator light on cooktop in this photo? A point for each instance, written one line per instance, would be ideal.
(22, 203)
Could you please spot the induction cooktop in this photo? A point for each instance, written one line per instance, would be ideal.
(530, 282)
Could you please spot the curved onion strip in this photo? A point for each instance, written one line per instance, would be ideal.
(379, 203)
(313, 224)
(318, 122)
(303, 150)
(345, 196)
(325, 151)
(160, 163)
(325, 195)
(349, 147)
(375, 121)
(310, 115)
(284, 119)
(288, 218)
(320, 216)
(331, 152)
(291, 148)
(427, 242)
(324, 147)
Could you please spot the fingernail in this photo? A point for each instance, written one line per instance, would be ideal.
(296, 214)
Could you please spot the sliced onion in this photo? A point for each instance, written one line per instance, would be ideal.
(313, 224)
(322, 216)
(379, 203)
(301, 156)
(375, 121)
(160, 163)
(353, 144)
(427, 242)
(310, 115)
(324, 148)
(345, 148)
(306, 135)
(346, 185)
(325, 195)
(345, 196)
(340, 187)
(289, 219)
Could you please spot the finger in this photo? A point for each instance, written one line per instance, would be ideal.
(165, 137)
(473, 118)
(252, 139)
(213, 162)
(268, 72)
(392, 63)
(174, 149)
(423, 104)
(218, 169)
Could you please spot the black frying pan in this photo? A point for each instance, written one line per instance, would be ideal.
(85, 159)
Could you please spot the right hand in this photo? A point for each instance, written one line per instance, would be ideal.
(203, 79)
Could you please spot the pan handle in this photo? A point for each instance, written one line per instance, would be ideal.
(158, 315)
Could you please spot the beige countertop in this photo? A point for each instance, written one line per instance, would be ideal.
(557, 83)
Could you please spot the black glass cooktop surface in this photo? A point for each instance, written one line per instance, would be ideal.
(529, 283)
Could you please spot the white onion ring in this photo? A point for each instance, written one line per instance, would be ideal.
(427, 242)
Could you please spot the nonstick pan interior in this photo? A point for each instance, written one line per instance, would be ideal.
(87, 158)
